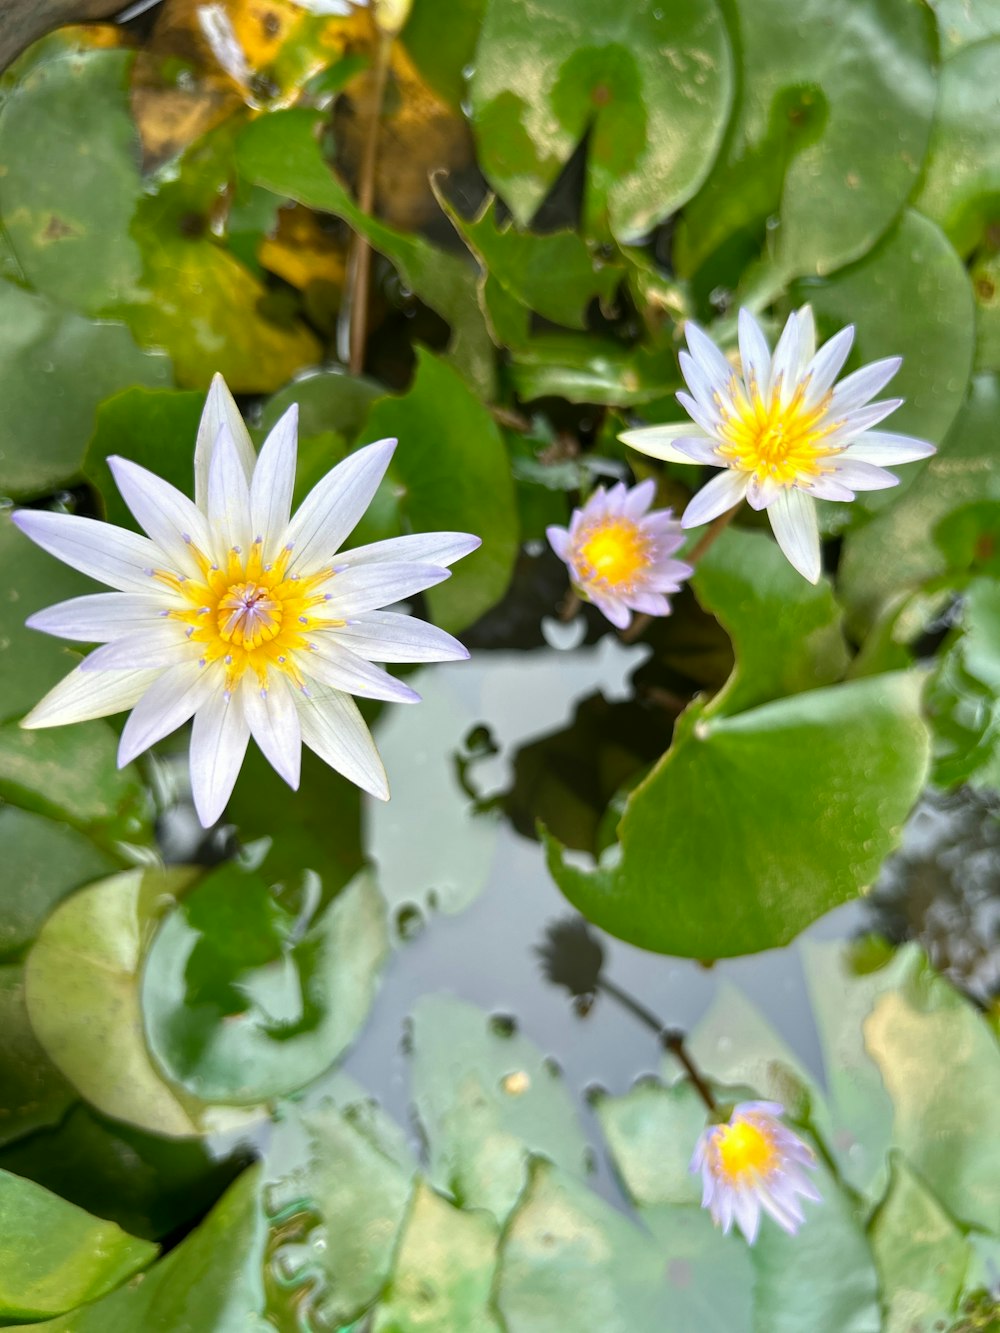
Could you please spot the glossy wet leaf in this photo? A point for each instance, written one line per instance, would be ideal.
(33, 1093)
(586, 369)
(963, 168)
(246, 996)
(829, 135)
(922, 1256)
(212, 1277)
(351, 1190)
(786, 633)
(554, 274)
(443, 1271)
(282, 153)
(650, 89)
(486, 1099)
(896, 550)
(935, 336)
(56, 367)
(54, 1256)
(823, 1278)
(450, 455)
(82, 979)
(938, 1060)
(570, 1260)
(857, 753)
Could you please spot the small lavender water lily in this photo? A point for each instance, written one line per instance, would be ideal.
(753, 1164)
(619, 553)
(235, 613)
(784, 432)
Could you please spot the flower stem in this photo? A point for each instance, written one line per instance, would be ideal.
(670, 1039)
(361, 255)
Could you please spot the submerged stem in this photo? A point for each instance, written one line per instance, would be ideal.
(361, 255)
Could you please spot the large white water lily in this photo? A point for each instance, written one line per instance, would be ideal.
(234, 612)
(785, 432)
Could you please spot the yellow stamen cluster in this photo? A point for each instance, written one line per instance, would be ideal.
(768, 439)
(614, 551)
(743, 1150)
(251, 615)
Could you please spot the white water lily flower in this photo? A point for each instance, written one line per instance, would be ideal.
(235, 613)
(620, 555)
(753, 1164)
(783, 430)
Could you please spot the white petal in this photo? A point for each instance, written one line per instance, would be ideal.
(220, 410)
(274, 480)
(333, 507)
(708, 356)
(659, 441)
(699, 450)
(122, 559)
(372, 586)
(161, 645)
(332, 726)
(425, 548)
(827, 488)
(793, 518)
(274, 724)
(333, 664)
(387, 636)
(558, 540)
(761, 493)
(885, 448)
(807, 339)
(785, 365)
(83, 695)
(228, 498)
(173, 697)
(639, 498)
(612, 608)
(827, 364)
(863, 385)
(650, 603)
(720, 494)
(707, 392)
(853, 423)
(861, 476)
(706, 421)
(169, 517)
(219, 737)
(101, 616)
(755, 355)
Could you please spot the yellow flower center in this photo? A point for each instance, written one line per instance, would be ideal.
(785, 443)
(250, 615)
(614, 551)
(743, 1150)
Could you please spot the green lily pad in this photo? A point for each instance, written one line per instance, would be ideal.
(650, 88)
(450, 455)
(555, 275)
(443, 1272)
(828, 139)
(443, 52)
(964, 695)
(568, 1260)
(963, 166)
(331, 1169)
(82, 978)
(33, 1093)
(787, 632)
(56, 367)
(960, 23)
(282, 153)
(896, 549)
(246, 997)
(651, 1133)
(586, 369)
(486, 1100)
(856, 752)
(922, 1256)
(941, 1123)
(54, 1256)
(910, 297)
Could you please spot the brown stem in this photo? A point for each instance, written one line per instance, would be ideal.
(674, 1043)
(361, 255)
(570, 606)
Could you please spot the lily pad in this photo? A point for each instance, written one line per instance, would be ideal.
(450, 455)
(486, 1100)
(34, 1094)
(650, 88)
(56, 367)
(246, 997)
(54, 1256)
